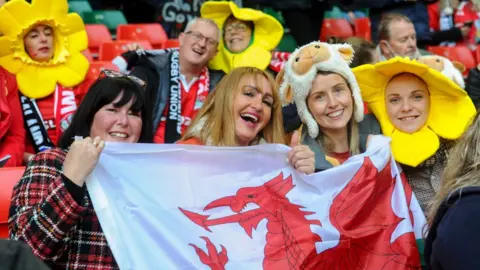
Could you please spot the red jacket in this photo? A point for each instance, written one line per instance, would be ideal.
(12, 132)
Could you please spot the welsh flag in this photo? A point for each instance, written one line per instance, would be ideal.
(196, 207)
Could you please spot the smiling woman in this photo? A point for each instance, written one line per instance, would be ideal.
(318, 80)
(245, 109)
(52, 196)
(422, 111)
(407, 101)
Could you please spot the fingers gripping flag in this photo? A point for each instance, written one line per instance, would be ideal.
(191, 207)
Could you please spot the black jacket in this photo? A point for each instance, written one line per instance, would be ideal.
(154, 69)
(453, 240)
(472, 86)
(16, 255)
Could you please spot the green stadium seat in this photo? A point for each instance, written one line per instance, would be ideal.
(79, 7)
(110, 18)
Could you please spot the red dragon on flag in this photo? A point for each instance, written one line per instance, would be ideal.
(361, 212)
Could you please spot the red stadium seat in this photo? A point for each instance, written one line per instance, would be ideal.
(92, 76)
(340, 28)
(363, 28)
(8, 178)
(153, 32)
(110, 50)
(171, 43)
(458, 53)
(88, 55)
(97, 34)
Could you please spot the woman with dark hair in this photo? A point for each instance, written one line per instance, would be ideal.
(51, 210)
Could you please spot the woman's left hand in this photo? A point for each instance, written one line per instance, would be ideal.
(301, 157)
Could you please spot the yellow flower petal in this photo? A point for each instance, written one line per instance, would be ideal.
(413, 149)
(49, 9)
(450, 124)
(74, 71)
(74, 29)
(36, 82)
(5, 46)
(10, 64)
(14, 16)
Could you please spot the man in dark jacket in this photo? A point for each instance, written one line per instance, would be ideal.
(178, 80)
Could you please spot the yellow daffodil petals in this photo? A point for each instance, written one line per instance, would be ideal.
(34, 82)
(450, 123)
(5, 46)
(15, 16)
(413, 149)
(10, 64)
(73, 72)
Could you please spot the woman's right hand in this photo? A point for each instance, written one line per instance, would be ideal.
(82, 158)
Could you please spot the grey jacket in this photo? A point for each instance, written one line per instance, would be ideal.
(368, 126)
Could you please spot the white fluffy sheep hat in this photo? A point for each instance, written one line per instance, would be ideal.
(297, 77)
(451, 69)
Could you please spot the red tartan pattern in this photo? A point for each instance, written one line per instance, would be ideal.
(43, 214)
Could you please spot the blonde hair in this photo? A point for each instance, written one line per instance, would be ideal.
(352, 125)
(214, 122)
(462, 169)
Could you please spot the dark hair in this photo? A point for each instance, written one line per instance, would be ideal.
(364, 51)
(104, 91)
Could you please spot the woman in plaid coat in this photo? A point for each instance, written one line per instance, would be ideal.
(51, 210)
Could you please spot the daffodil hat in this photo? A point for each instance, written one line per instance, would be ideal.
(267, 34)
(68, 66)
(451, 109)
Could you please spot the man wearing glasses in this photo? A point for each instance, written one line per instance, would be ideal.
(178, 80)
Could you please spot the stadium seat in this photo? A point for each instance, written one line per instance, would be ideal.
(79, 7)
(363, 28)
(477, 54)
(88, 55)
(171, 43)
(8, 178)
(458, 53)
(110, 50)
(153, 32)
(110, 18)
(92, 75)
(97, 34)
(340, 28)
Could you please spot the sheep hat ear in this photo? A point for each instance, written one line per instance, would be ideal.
(286, 92)
(302, 68)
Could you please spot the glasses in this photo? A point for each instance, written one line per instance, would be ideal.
(241, 27)
(199, 38)
(115, 74)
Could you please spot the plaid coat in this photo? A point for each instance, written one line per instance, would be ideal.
(56, 218)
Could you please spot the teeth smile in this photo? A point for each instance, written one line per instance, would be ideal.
(249, 117)
(335, 114)
(119, 135)
(408, 118)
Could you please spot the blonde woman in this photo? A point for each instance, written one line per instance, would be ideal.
(245, 109)
(318, 80)
(454, 217)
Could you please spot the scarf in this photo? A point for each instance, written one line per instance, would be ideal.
(175, 118)
(64, 106)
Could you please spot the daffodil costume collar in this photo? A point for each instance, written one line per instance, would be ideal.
(266, 35)
(451, 110)
(68, 67)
